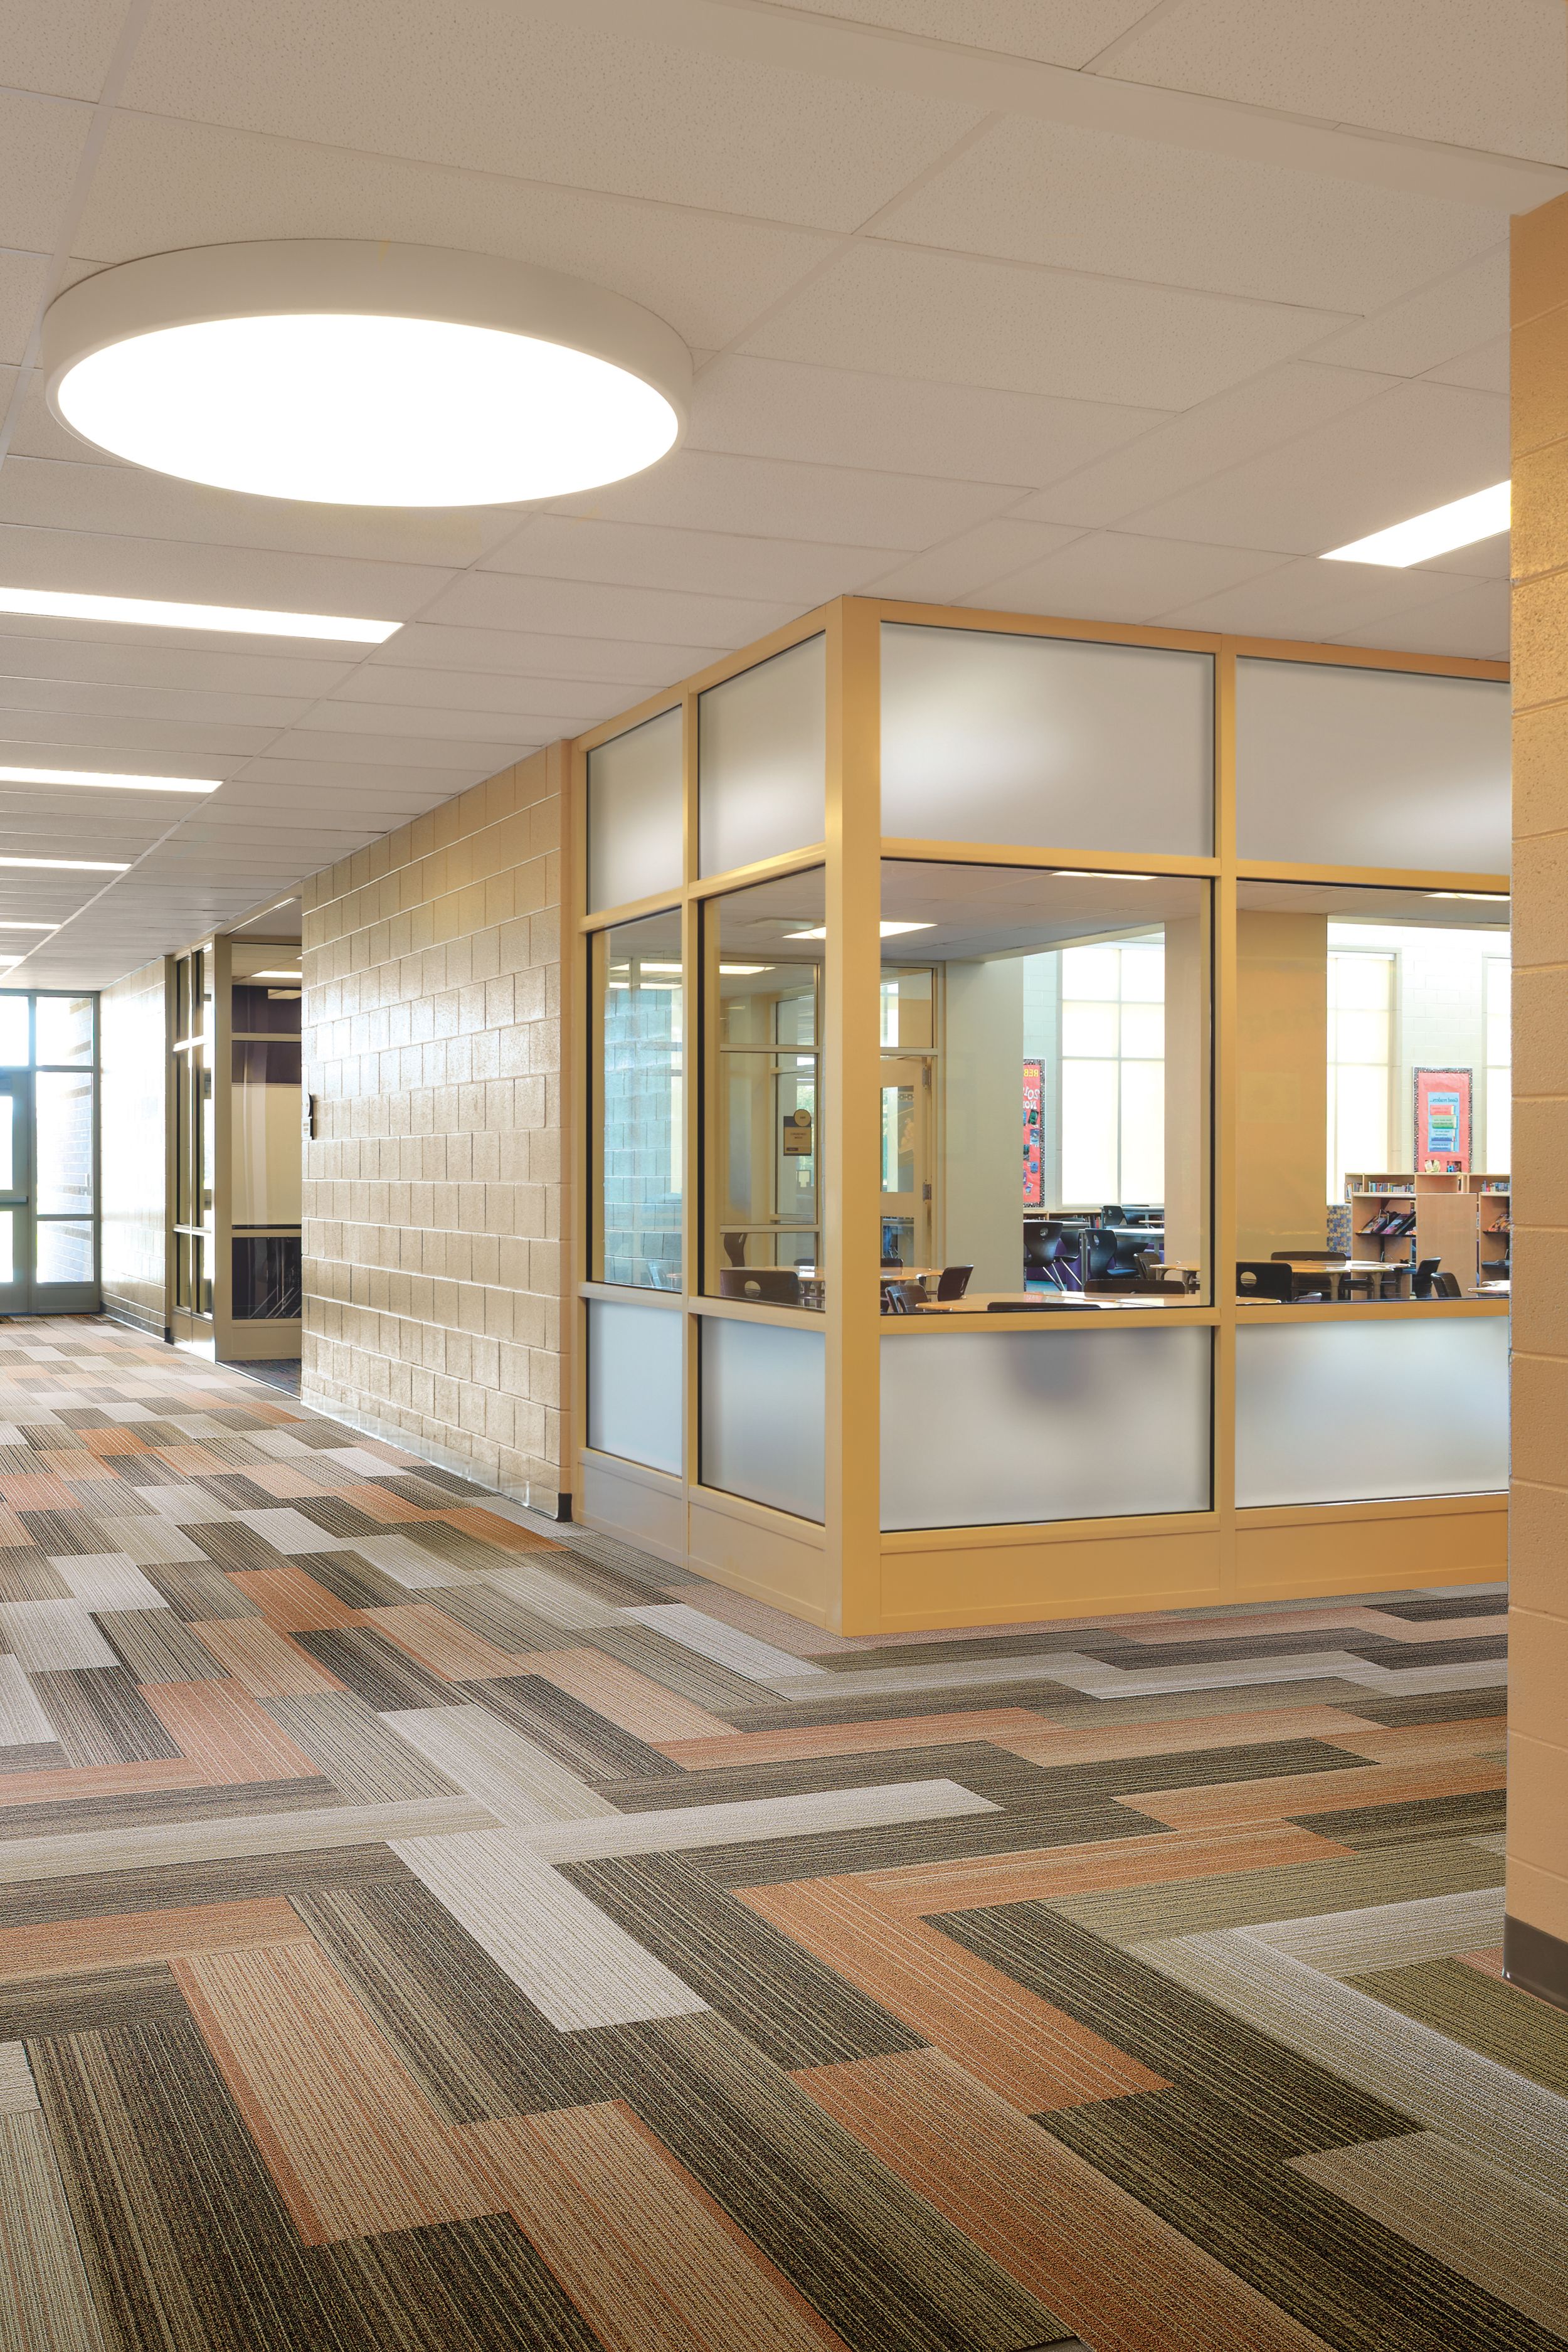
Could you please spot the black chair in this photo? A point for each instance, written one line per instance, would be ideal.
(1113, 1214)
(1261, 1278)
(1446, 1285)
(1103, 1259)
(768, 1285)
(1421, 1280)
(952, 1281)
(904, 1297)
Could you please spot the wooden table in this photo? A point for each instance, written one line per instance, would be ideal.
(1051, 1302)
(1310, 1272)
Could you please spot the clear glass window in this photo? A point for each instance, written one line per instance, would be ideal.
(763, 950)
(1044, 1113)
(639, 1090)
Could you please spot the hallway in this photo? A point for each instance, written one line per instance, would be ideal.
(422, 1929)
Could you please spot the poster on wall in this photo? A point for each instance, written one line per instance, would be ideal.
(1442, 1121)
(1034, 1167)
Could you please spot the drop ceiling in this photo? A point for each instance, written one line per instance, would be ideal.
(1121, 309)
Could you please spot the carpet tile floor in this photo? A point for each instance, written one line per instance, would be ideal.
(423, 1928)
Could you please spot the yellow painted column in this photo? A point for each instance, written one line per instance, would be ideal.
(1536, 1936)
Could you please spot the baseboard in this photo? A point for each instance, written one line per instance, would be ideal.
(1536, 1961)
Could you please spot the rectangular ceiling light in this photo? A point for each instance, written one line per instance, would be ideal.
(276, 975)
(7, 925)
(1460, 524)
(108, 784)
(889, 930)
(228, 619)
(68, 865)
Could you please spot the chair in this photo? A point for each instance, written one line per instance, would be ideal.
(769, 1285)
(1446, 1285)
(1259, 1278)
(1112, 1214)
(1421, 1280)
(952, 1281)
(1101, 1260)
(1366, 1279)
(735, 1248)
(905, 1297)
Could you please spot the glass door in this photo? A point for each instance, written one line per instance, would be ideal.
(15, 1222)
(906, 1202)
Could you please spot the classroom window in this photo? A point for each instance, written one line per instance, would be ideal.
(640, 1077)
(1360, 1039)
(1113, 1073)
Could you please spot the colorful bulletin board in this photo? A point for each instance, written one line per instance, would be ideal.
(1034, 1167)
(1442, 1121)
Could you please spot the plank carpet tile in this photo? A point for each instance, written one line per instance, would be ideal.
(428, 1928)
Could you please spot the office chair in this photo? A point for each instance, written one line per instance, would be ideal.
(1259, 1279)
(1421, 1280)
(735, 1248)
(768, 1285)
(953, 1281)
(1446, 1285)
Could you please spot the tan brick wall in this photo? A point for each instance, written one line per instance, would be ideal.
(434, 1200)
(1538, 1707)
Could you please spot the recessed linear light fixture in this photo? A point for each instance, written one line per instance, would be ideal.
(108, 784)
(1460, 524)
(68, 865)
(1095, 873)
(6, 925)
(1483, 897)
(223, 620)
(889, 930)
(277, 975)
(360, 374)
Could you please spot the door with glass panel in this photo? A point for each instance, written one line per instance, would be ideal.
(48, 1153)
(906, 1202)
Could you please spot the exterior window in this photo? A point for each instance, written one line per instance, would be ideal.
(1361, 1042)
(640, 1095)
(1113, 1073)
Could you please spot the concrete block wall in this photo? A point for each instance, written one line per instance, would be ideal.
(435, 1202)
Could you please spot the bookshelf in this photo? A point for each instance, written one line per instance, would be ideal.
(1461, 1220)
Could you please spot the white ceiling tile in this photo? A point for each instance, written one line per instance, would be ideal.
(63, 48)
(1311, 599)
(450, 729)
(134, 503)
(1486, 369)
(1269, 410)
(482, 83)
(639, 555)
(943, 575)
(107, 566)
(23, 278)
(164, 183)
(1073, 198)
(1466, 307)
(1419, 445)
(948, 318)
(458, 651)
(315, 745)
(322, 773)
(1473, 624)
(831, 416)
(489, 599)
(1475, 73)
(41, 139)
(764, 497)
(122, 661)
(1115, 576)
(476, 691)
(1056, 32)
(180, 707)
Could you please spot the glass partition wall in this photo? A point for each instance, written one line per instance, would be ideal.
(1045, 1119)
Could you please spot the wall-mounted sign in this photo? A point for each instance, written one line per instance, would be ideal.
(1034, 1167)
(799, 1140)
(1442, 1121)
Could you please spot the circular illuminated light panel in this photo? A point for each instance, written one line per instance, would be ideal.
(364, 374)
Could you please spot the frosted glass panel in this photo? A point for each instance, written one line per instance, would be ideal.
(762, 1414)
(634, 813)
(762, 760)
(1363, 1411)
(992, 1429)
(1046, 742)
(1369, 767)
(636, 1383)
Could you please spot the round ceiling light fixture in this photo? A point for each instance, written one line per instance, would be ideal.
(364, 374)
